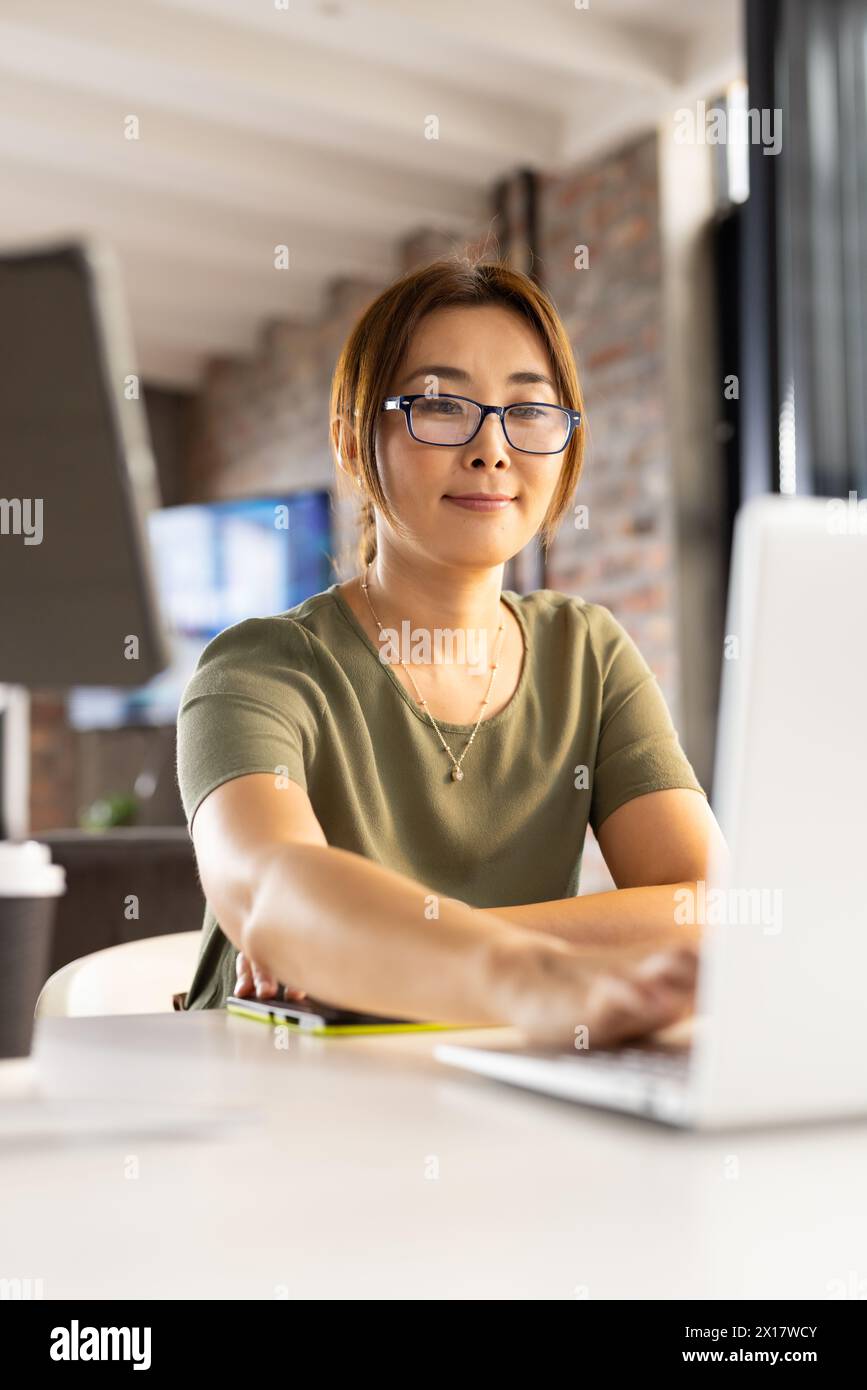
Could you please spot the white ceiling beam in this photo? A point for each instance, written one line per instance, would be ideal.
(706, 62)
(573, 42)
(525, 46)
(714, 54)
(190, 289)
(232, 241)
(217, 333)
(591, 132)
(59, 128)
(170, 368)
(148, 57)
(186, 287)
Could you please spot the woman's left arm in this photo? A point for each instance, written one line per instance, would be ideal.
(654, 846)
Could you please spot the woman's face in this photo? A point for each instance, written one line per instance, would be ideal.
(492, 355)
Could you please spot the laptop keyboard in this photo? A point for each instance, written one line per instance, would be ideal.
(660, 1062)
(649, 1079)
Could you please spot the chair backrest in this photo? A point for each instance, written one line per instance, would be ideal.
(137, 977)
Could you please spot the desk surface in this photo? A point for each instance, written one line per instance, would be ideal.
(366, 1169)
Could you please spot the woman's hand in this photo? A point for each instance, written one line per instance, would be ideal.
(554, 992)
(251, 978)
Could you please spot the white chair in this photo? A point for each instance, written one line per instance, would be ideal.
(137, 977)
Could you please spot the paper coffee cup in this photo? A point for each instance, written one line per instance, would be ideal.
(29, 887)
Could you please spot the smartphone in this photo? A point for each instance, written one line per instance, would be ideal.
(312, 1016)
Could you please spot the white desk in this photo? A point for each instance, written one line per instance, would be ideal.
(331, 1193)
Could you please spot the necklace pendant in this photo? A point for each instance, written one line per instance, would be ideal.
(457, 774)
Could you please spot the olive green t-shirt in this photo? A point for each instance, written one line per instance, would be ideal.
(304, 695)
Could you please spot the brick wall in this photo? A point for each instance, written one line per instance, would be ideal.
(614, 312)
(611, 300)
(53, 764)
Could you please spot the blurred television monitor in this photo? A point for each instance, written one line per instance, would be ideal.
(216, 564)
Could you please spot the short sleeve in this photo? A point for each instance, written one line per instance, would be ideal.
(252, 705)
(638, 750)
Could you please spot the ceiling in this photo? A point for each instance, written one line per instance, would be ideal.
(304, 126)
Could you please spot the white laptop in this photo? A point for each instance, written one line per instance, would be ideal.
(781, 1018)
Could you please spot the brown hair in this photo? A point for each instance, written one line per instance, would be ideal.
(377, 345)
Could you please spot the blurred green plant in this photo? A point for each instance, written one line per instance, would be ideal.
(120, 808)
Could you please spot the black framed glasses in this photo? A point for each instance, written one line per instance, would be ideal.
(533, 427)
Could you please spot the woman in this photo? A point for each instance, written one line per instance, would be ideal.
(404, 836)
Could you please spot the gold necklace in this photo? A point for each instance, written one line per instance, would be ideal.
(457, 770)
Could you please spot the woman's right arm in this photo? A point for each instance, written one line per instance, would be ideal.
(352, 932)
